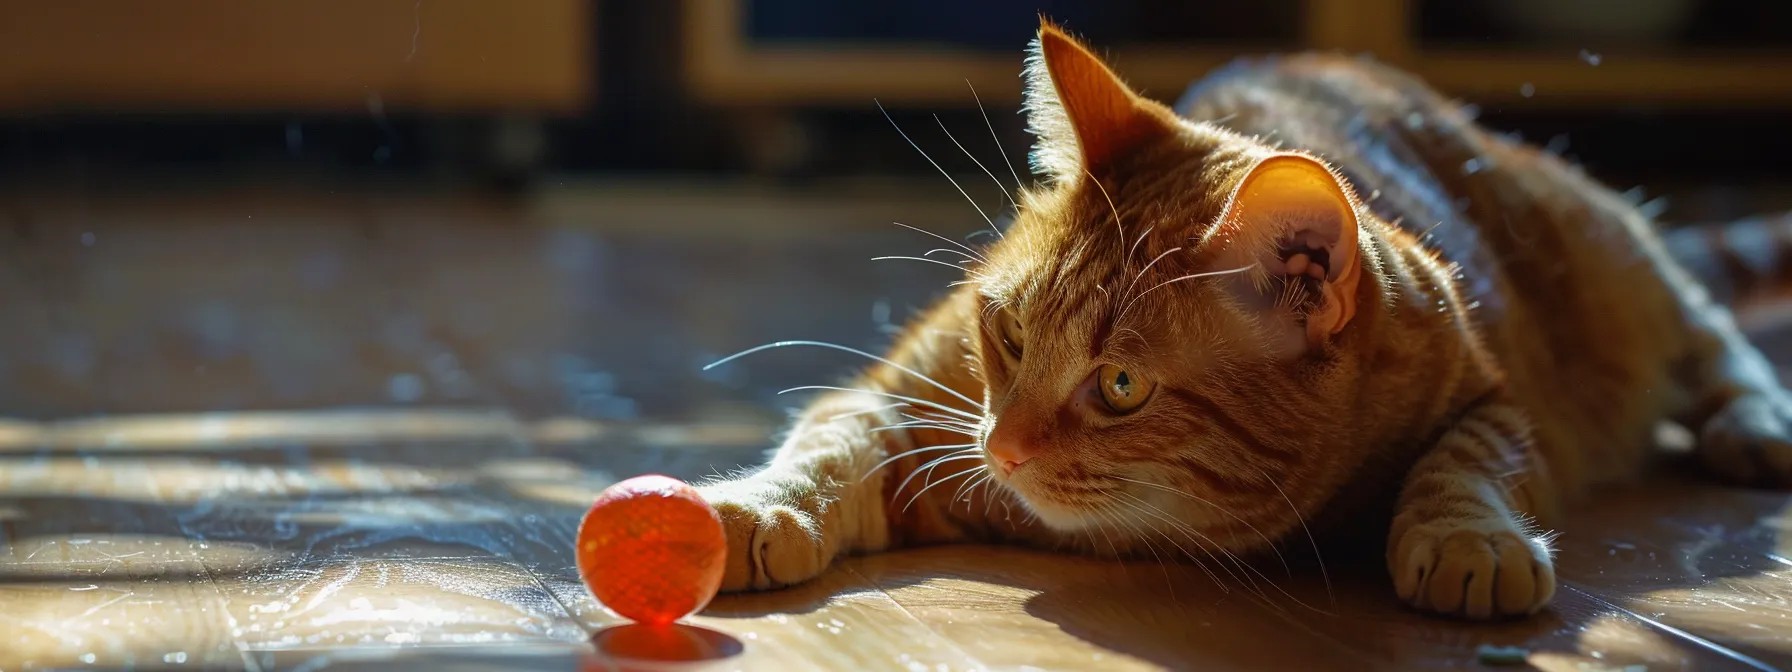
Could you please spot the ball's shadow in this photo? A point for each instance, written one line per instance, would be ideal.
(642, 646)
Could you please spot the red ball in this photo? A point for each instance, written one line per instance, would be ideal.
(652, 550)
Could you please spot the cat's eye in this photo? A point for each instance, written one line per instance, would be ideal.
(1122, 390)
(1009, 329)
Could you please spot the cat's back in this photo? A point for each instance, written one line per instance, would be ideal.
(1545, 251)
(1407, 150)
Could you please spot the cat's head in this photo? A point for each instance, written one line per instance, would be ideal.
(1163, 328)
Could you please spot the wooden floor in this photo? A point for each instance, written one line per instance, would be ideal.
(428, 537)
(378, 516)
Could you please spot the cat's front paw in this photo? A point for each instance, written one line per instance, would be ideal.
(1749, 441)
(1457, 568)
(770, 544)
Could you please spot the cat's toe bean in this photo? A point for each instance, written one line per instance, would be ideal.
(787, 545)
(740, 523)
(1412, 565)
(1471, 572)
(769, 545)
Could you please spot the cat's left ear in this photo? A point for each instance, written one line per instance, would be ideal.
(1084, 117)
(1293, 215)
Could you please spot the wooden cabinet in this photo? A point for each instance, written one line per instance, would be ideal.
(530, 56)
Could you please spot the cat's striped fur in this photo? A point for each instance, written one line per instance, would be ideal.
(1314, 290)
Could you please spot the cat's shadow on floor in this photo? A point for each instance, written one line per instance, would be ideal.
(1170, 614)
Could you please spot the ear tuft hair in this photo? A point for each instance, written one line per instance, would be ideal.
(1054, 153)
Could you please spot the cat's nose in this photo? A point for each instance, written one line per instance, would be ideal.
(1010, 451)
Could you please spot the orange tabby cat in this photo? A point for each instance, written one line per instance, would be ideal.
(1315, 288)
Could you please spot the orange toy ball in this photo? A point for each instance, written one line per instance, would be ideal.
(652, 550)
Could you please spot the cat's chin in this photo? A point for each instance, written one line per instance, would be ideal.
(1053, 512)
(1061, 517)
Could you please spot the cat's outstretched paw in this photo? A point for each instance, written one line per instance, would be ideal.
(770, 544)
(1749, 441)
(1458, 569)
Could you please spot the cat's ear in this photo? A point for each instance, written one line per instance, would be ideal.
(1296, 218)
(1083, 115)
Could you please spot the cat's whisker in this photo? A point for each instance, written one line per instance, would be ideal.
(1171, 558)
(1256, 596)
(1187, 530)
(942, 419)
(992, 136)
(990, 492)
(968, 249)
(1135, 245)
(973, 158)
(1191, 276)
(930, 421)
(1158, 258)
(952, 266)
(935, 484)
(1266, 540)
(1144, 506)
(868, 411)
(938, 425)
(1169, 583)
(970, 493)
(916, 451)
(970, 484)
(1094, 548)
(967, 257)
(936, 166)
(1323, 575)
(911, 400)
(1246, 567)
(922, 425)
(912, 421)
(823, 344)
(929, 414)
(1101, 521)
(929, 467)
(1118, 227)
(1180, 528)
(1143, 532)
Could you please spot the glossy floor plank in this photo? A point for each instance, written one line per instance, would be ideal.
(89, 614)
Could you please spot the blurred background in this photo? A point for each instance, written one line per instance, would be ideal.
(563, 208)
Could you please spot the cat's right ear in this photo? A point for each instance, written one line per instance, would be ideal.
(1083, 115)
(1293, 217)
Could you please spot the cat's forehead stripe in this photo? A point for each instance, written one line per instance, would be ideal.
(1099, 339)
